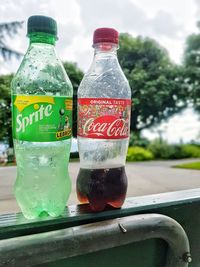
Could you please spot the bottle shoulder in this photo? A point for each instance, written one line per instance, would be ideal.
(108, 83)
(41, 72)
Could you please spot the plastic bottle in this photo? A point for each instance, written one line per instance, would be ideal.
(104, 105)
(42, 121)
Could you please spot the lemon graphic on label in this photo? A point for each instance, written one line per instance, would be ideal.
(36, 106)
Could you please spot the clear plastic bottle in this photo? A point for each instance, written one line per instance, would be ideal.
(104, 105)
(42, 121)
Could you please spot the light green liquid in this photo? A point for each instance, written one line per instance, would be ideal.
(43, 185)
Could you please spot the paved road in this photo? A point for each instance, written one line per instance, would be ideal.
(144, 178)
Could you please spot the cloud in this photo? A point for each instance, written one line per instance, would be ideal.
(21, 10)
(197, 5)
(124, 15)
(127, 16)
(163, 24)
(68, 23)
(77, 20)
(183, 126)
(197, 2)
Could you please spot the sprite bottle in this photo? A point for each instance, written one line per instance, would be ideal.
(42, 124)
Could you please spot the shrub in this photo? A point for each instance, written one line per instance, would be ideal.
(136, 140)
(191, 151)
(136, 153)
(161, 149)
(177, 152)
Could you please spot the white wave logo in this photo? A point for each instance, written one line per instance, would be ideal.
(117, 128)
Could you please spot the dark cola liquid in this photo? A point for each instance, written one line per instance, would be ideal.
(101, 187)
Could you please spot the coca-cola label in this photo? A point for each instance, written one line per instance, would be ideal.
(104, 118)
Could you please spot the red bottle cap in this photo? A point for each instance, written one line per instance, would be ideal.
(105, 35)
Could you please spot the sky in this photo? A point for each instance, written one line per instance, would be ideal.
(167, 21)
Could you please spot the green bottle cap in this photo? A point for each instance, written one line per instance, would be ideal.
(42, 24)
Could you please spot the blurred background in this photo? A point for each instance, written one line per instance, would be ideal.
(159, 54)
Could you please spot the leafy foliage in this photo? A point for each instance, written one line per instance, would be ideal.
(192, 69)
(10, 29)
(162, 150)
(191, 151)
(75, 76)
(137, 140)
(156, 83)
(5, 109)
(137, 153)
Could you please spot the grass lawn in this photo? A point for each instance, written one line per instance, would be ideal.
(192, 165)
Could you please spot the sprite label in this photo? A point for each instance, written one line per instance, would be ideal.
(41, 118)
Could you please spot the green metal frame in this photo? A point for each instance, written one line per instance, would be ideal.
(81, 240)
(182, 206)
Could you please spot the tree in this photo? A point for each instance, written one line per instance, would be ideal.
(75, 76)
(5, 110)
(156, 83)
(191, 60)
(6, 29)
(9, 29)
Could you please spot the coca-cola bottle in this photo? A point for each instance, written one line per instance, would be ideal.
(104, 106)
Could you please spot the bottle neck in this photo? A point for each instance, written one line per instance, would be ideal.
(105, 49)
(105, 56)
(40, 37)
